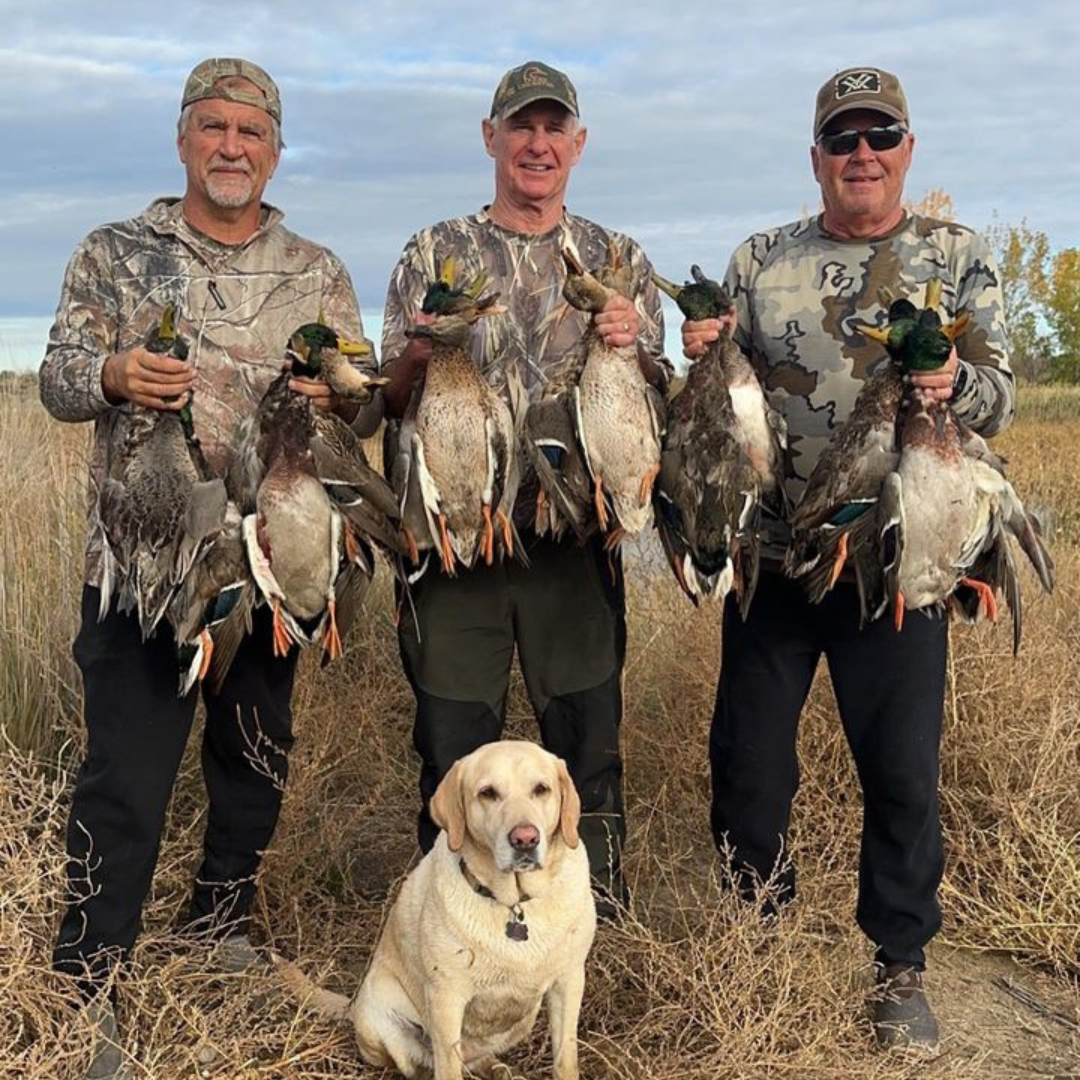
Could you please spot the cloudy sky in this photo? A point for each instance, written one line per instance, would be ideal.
(698, 113)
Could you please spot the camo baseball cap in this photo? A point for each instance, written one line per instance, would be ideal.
(860, 88)
(206, 78)
(532, 81)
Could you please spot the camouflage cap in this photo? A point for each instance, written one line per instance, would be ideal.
(206, 78)
(532, 81)
(860, 88)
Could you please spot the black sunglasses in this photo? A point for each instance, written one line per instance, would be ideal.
(877, 138)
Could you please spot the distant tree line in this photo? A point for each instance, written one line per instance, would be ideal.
(1042, 295)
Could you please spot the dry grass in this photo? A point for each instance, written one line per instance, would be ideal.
(694, 988)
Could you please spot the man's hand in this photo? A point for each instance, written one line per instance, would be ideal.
(148, 379)
(937, 385)
(322, 397)
(618, 322)
(406, 370)
(698, 336)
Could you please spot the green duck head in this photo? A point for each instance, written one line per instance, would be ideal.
(309, 344)
(699, 299)
(444, 298)
(917, 340)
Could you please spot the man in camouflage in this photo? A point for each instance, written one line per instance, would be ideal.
(565, 612)
(241, 282)
(800, 292)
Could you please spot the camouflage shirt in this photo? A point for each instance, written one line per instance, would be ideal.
(800, 294)
(236, 304)
(520, 348)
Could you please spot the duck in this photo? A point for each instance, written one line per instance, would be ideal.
(945, 516)
(311, 505)
(722, 460)
(834, 524)
(617, 417)
(159, 504)
(456, 473)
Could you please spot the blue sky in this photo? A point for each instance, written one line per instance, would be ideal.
(698, 114)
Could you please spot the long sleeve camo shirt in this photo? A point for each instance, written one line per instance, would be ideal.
(800, 294)
(539, 328)
(519, 351)
(236, 304)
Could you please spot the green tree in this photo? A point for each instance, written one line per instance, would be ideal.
(1024, 262)
(1063, 313)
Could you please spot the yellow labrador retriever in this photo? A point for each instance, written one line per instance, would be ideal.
(497, 918)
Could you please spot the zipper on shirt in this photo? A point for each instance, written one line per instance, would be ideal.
(218, 299)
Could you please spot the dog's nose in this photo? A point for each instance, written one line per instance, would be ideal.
(524, 837)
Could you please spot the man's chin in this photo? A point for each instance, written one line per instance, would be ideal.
(230, 196)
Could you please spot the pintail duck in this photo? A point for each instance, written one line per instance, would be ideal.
(617, 417)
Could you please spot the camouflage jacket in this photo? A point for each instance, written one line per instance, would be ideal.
(800, 294)
(517, 350)
(237, 306)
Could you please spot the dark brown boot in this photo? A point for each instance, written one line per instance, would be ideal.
(902, 1017)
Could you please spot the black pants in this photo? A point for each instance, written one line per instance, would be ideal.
(565, 612)
(890, 690)
(137, 729)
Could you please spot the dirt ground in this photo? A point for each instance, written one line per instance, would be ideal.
(1014, 1020)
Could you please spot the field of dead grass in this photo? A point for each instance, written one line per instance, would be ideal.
(694, 987)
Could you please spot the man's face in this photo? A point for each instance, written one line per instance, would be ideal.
(229, 152)
(534, 151)
(862, 189)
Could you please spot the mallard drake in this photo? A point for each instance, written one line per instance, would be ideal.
(835, 523)
(159, 504)
(456, 473)
(302, 482)
(722, 459)
(315, 351)
(944, 514)
(617, 416)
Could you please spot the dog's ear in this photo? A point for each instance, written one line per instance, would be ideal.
(448, 807)
(570, 808)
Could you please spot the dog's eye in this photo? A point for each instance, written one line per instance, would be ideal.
(541, 789)
(488, 793)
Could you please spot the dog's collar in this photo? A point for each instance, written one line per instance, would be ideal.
(516, 928)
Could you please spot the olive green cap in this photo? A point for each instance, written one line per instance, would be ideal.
(860, 88)
(532, 81)
(206, 78)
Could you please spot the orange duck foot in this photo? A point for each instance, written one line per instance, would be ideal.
(487, 545)
(507, 533)
(332, 645)
(647, 482)
(601, 506)
(841, 558)
(988, 604)
(208, 651)
(446, 549)
(282, 640)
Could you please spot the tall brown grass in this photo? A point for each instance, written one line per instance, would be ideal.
(695, 986)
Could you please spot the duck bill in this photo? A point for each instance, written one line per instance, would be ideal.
(955, 329)
(573, 265)
(875, 333)
(347, 347)
(664, 285)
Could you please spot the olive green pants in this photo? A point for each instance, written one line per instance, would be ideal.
(565, 613)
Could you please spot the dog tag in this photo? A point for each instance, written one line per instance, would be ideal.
(517, 931)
